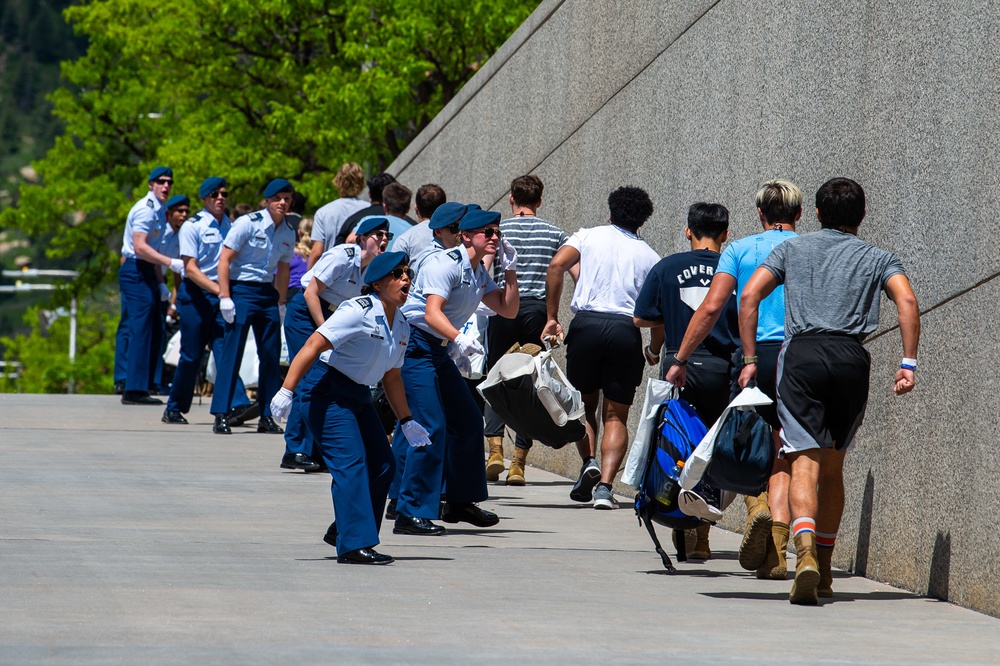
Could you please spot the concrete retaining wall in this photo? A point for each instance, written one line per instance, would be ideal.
(704, 100)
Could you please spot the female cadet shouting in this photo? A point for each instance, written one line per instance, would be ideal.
(336, 277)
(448, 289)
(368, 338)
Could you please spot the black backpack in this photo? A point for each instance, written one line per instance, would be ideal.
(743, 455)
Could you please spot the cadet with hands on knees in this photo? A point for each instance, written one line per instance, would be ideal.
(361, 343)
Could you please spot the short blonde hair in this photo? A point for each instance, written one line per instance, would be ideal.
(779, 201)
(304, 246)
(350, 180)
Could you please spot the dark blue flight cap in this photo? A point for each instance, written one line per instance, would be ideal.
(177, 200)
(210, 184)
(477, 219)
(160, 171)
(383, 264)
(277, 185)
(447, 214)
(370, 224)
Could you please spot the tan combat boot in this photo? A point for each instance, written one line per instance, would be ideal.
(701, 551)
(806, 571)
(775, 564)
(515, 476)
(494, 466)
(757, 533)
(825, 558)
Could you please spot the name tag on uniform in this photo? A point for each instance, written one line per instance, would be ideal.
(258, 240)
(211, 236)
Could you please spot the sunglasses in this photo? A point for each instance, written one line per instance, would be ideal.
(490, 232)
(218, 193)
(452, 228)
(182, 210)
(397, 273)
(382, 234)
(163, 181)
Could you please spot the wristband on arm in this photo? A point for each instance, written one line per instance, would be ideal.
(909, 364)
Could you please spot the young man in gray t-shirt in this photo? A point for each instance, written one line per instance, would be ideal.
(833, 281)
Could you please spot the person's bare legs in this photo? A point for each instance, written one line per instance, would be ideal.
(587, 446)
(804, 501)
(777, 486)
(775, 564)
(831, 509)
(614, 439)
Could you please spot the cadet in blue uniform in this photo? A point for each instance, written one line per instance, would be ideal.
(447, 291)
(140, 281)
(444, 227)
(251, 295)
(368, 337)
(333, 279)
(178, 208)
(200, 245)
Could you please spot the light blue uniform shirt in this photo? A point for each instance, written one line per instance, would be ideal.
(148, 217)
(418, 261)
(364, 347)
(448, 274)
(330, 218)
(201, 237)
(397, 227)
(740, 259)
(170, 242)
(339, 269)
(259, 247)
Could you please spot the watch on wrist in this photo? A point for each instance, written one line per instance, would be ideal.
(677, 361)
(747, 360)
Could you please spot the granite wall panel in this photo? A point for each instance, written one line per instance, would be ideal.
(703, 101)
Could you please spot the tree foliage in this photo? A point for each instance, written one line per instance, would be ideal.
(248, 89)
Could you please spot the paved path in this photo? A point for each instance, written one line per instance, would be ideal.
(126, 541)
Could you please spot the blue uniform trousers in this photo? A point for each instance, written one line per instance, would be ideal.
(256, 308)
(342, 420)
(121, 342)
(201, 325)
(137, 281)
(439, 400)
(299, 325)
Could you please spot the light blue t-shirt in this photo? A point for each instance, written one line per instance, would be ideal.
(259, 246)
(448, 274)
(147, 216)
(339, 269)
(740, 259)
(364, 346)
(201, 237)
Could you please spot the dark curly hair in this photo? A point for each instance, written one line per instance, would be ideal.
(630, 207)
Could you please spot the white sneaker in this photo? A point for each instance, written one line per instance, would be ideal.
(604, 498)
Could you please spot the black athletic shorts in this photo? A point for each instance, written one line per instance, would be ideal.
(707, 384)
(604, 352)
(767, 371)
(822, 391)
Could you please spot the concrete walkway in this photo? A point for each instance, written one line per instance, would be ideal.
(126, 541)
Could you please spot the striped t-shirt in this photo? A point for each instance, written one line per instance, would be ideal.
(536, 242)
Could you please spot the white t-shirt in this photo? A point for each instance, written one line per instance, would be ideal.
(613, 265)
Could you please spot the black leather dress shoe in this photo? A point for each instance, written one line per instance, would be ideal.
(390, 510)
(331, 534)
(267, 425)
(364, 556)
(416, 526)
(299, 461)
(221, 426)
(119, 388)
(139, 398)
(240, 415)
(170, 416)
(468, 513)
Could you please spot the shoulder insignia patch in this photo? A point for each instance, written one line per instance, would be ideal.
(256, 216)
(149, 203)
(350, 251)
(455, 254)
(365, 302)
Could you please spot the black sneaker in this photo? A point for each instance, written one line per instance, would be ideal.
(590, 476)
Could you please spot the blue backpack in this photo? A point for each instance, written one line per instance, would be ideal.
(675, 440)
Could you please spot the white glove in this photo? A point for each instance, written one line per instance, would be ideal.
(281, 313)
(176, 266)
(508, 261)
(281, 404)
(468, 345)
(171, 320)
(228, 310)
(164, 292)
(416, 435)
